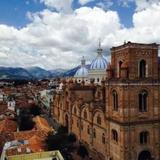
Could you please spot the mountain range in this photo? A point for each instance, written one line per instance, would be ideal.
(35, 73)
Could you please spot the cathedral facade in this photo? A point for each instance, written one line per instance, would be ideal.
(119, 119)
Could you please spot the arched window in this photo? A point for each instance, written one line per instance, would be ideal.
(142, 69)
(119, 68)
(143, 137)
(88, 129)
(75, 110)
(114, 135)
(85, 114)
(99, 119)
(94, 132)
(115, 100)
(143, 101)
(103, 138)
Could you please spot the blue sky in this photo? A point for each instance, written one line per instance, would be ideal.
(13, 12)
(57, 33)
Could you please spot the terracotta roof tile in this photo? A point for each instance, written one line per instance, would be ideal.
(8, 125)
(42, 124)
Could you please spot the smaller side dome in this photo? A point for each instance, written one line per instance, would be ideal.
(82, 71)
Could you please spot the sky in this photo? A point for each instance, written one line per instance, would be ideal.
(57, 33)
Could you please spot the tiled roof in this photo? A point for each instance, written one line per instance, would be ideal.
(35, 144)
(42, 124)
(25, 135)
(8, 125)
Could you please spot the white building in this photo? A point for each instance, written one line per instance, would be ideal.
(11, 104)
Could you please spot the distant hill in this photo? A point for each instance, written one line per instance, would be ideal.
(39, 73)
(14, 73)
(35, 73)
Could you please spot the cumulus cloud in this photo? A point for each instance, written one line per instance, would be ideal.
(60, 5)
(144, 4)
(56, 40)
(83, 2)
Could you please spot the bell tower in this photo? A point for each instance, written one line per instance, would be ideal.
(133, 102)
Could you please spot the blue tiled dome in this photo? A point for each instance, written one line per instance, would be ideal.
(82, 72)
(99, 63)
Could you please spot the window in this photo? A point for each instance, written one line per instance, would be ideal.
(88, 129)
(144, 137)
(115, 100)
(94, 132)
(103, 138)
(114, 135)
(75, 110)
(97, 79)
(142, 69)
(85, 114)
(143, 101)
(99, 119)
(119, 68)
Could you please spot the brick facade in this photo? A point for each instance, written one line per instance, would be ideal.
(121, 118)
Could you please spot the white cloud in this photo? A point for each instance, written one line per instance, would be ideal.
(83, 2)
(105, 4)
(144, 4)
(60, 5)
(56, 40)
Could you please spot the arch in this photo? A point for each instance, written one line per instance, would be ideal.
(144, 137)
(115, 100)
(85, 114)
(75, 111)
(144, 155)
(99, 119)
(114, 135)
(143, 96)
(142, 68)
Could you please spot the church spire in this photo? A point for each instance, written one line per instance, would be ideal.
(83, 61)
(99, 50)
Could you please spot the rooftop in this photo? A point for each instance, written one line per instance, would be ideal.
(38, 156)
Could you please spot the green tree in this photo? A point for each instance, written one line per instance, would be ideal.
(82, 151)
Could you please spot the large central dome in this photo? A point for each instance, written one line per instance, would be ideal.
(100, 63)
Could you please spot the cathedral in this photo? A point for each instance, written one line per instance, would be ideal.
(114, 108)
